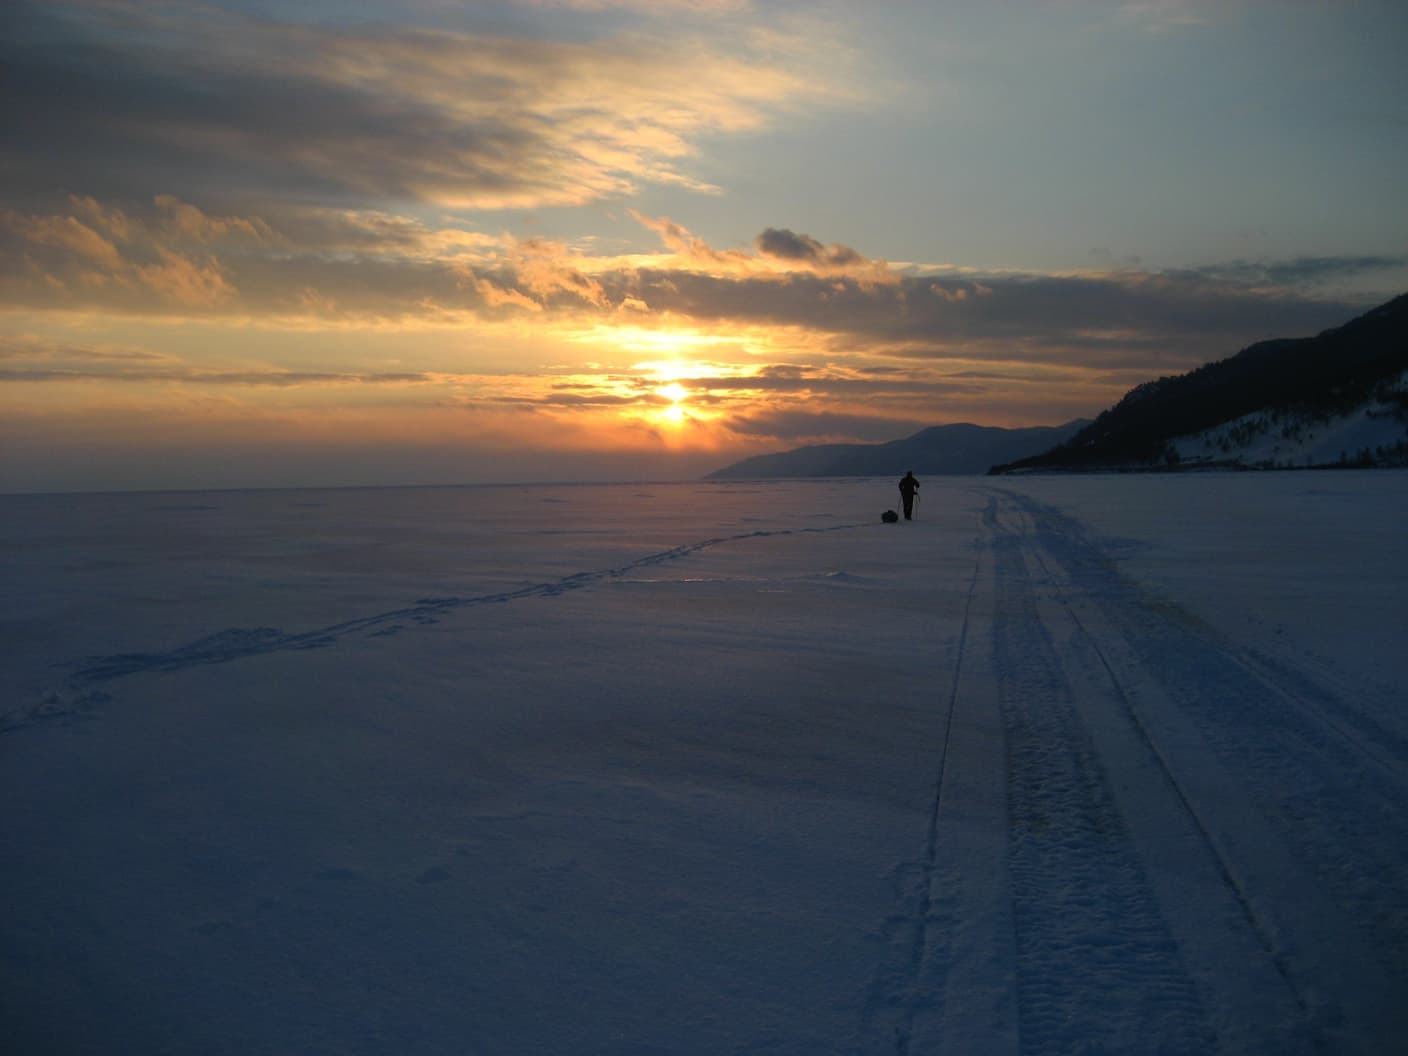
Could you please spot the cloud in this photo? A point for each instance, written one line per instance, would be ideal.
(125, 100)
(646, 7)
(832, 380)
(803, 249)
(35, 350)
(690, 251)
(264, 378)
(1112, 318)
(325, 268)
(1298, 271)
(1168, 15)
(66, 235)
(795, 426)
(95, 254)
(193, 225)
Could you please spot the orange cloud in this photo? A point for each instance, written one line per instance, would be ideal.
(63, 233)
(100, 254)
(184, 281)
(190, 223)
(321, 269)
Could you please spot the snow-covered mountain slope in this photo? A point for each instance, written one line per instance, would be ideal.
(1259, 407)
(1374, 433)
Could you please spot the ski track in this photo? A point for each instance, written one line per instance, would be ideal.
(80, 700)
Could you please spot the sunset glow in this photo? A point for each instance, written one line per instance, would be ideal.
(674, 392)
(631, 240)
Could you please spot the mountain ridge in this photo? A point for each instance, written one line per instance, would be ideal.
(955, 449)
(1213, 414)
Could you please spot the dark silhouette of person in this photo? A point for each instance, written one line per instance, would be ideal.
(909, 487)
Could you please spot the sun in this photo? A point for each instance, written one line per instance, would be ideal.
(676, 394)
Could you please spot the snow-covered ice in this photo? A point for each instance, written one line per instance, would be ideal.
(1110, 764)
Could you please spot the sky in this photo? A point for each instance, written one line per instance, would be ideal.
(249, 243)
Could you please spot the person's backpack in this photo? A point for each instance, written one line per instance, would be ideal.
(889, 516)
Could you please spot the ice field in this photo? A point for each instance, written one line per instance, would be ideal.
(1105, 764)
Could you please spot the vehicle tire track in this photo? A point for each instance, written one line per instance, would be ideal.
(1097, 966)
(1255, 1008)
(1336, 796)
(1309, 836)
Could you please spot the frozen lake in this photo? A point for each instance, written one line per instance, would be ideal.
(1065, 765)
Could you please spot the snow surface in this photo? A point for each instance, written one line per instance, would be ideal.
(1065, 765)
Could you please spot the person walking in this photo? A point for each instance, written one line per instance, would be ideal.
(909, 487)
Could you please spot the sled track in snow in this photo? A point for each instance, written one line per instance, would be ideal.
(908, 980)
(238, 643)
(924, 922)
